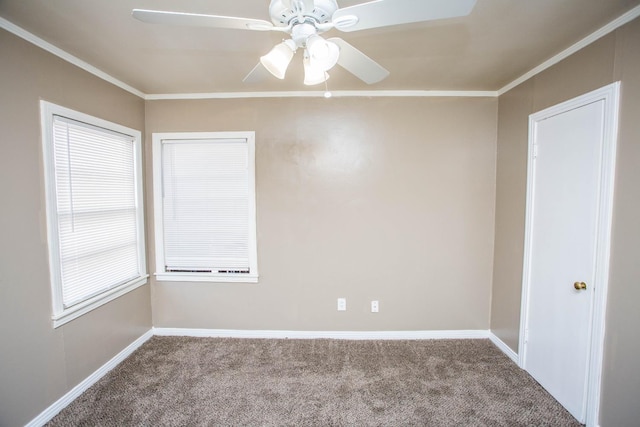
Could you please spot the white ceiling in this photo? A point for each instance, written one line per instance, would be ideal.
(500, 41)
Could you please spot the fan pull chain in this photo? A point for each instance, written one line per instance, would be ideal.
(327, 94)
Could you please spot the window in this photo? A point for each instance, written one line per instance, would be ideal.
(95, 223)
(204, 206)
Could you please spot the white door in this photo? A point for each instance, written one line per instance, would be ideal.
(563, 254)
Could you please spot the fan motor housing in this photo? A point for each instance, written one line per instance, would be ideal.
(283, 15)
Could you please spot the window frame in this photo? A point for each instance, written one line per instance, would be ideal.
(60, 314)
(157, 142)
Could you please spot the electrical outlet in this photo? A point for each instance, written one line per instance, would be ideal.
(374, 306)
(342, 304)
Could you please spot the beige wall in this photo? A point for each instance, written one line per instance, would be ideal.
(387, 199)
(38, 364)
(511, 182)
(615, 57)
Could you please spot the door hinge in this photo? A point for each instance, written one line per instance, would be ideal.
(535, 151)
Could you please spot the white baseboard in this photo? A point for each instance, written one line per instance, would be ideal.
(345, 335)
(505, 348)
(53, 410)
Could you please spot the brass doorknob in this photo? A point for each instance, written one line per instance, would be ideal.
(580, 285)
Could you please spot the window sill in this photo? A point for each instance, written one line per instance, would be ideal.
(86, 306)
(206, 277)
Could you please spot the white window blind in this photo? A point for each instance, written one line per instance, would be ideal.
(96, 195)
(207, 208)
(94, 212)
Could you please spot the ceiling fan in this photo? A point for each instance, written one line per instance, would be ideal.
(305, 20)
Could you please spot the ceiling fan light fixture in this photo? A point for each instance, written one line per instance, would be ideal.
(305, 20)
(278, 59)
(313, 75)
(322, 53)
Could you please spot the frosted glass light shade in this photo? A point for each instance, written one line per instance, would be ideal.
(278, 59)
(313, 75)
(322, 53)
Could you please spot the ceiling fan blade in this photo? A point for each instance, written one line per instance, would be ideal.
(383, 13)
(257, 75)
(198, 20)
(359, 64)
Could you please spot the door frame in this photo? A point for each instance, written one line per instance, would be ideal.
(610, 95)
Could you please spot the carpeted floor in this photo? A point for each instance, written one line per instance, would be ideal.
(179, 381)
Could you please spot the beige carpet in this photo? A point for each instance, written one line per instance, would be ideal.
(178, 381)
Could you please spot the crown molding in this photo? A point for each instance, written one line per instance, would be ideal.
(320, 94)
(611, 26)
(31, 38)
